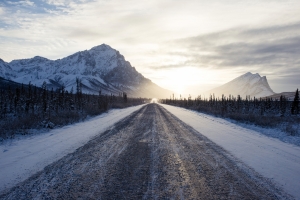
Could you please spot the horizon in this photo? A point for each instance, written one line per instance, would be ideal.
(186, 47)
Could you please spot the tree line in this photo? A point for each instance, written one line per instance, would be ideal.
(28, 107)
(261, 111)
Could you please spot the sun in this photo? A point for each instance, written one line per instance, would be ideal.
(179, 79)
(154, 100)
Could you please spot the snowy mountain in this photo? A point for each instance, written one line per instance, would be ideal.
(247, 84)
(6, 71)
(100, 68)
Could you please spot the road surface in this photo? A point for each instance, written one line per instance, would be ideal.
(150, 154)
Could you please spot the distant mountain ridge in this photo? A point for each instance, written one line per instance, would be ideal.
(100, 68)
(246, 84)
(289, 95)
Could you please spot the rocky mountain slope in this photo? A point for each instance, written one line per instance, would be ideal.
(100, 68)
(6, 71)
(247, 84)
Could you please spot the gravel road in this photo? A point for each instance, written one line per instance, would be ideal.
(148, 155)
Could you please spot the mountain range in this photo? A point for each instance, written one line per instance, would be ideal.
(104, 69)
(100, 68)
(246, 84)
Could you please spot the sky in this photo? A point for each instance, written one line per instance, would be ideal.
(185, 46)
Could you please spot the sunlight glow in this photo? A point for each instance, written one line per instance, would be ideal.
(180, 79)
(154, 100)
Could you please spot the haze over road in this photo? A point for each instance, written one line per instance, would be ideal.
(148, 155)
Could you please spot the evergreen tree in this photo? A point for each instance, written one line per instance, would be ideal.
(282, 105)
(295, 104)
(17, 99)
(125, 97)
(44, 96)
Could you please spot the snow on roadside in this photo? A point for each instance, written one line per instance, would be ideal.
(19, 159)
(272, 158)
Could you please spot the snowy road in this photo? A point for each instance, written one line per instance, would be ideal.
(148, 155)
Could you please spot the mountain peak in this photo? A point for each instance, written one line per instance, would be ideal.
(246, 84)
(102, 47)
(40, 58)
(249, 74)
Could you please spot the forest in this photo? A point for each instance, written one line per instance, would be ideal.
(29, 107)
(266, 112)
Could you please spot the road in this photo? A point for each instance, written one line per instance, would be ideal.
(150, 154)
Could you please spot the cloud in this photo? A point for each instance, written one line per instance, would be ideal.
(57, 2)
(156, 35)
(2, 11)
(46, 7)
(273, 51)
(271, 48)
(21, 3)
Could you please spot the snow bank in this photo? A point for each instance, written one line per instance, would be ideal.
(20, 159)
(270, 157)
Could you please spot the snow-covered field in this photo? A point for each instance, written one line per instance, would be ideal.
(19, 159)
(270, 157)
